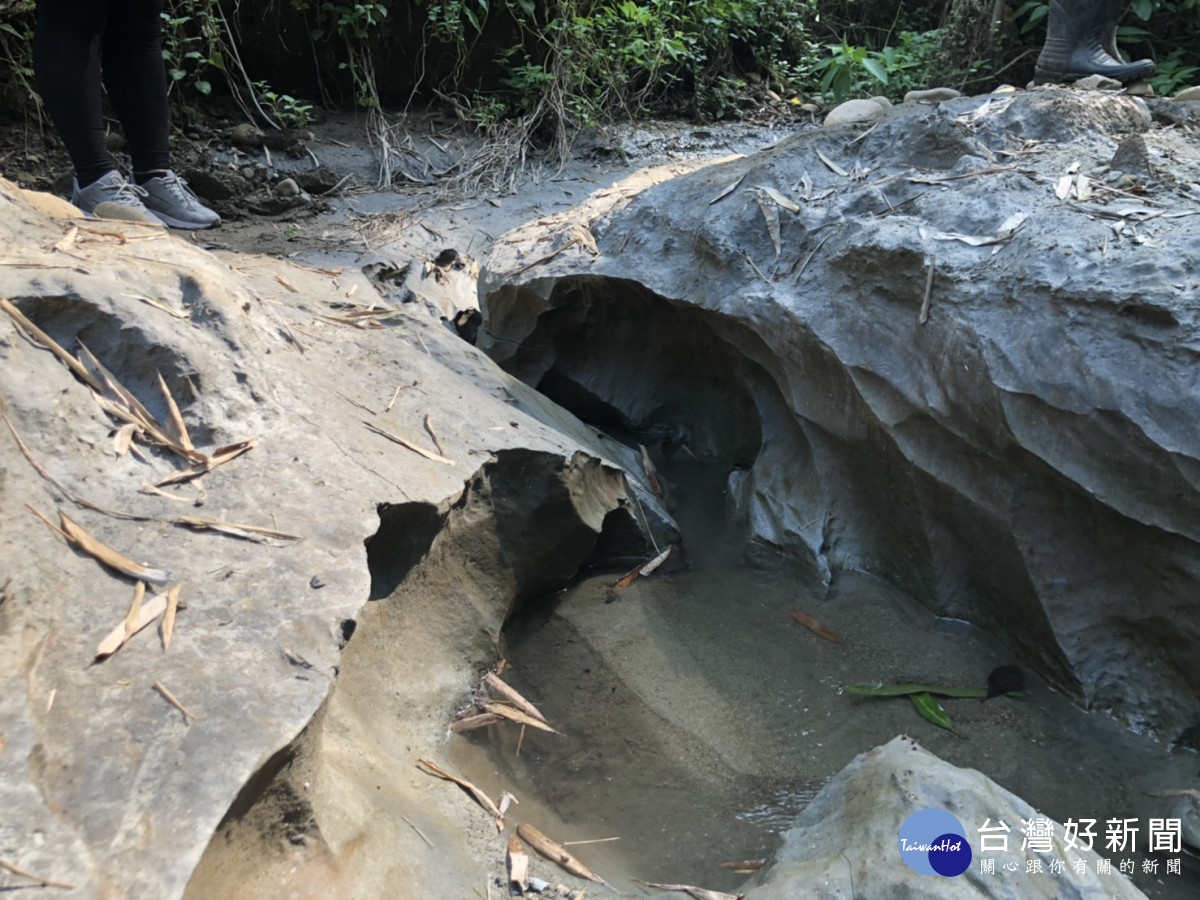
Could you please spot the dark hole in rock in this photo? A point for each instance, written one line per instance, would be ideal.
(405, 532)
(617, 355)
(347, 629)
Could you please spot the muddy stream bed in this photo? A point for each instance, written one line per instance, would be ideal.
(698, 719)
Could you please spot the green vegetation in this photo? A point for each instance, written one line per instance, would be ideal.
(564, 63)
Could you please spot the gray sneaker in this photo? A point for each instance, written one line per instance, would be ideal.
(169, 198)
(112, 189)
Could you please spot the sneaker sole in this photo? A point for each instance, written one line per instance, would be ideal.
(172, 222)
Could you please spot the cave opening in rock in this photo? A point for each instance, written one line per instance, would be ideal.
(697, 717)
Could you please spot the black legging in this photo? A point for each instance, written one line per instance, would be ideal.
(73, 43)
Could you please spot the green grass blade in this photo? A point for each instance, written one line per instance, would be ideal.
(906, 689)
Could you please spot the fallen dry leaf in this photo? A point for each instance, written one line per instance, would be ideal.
(409, 445)
(517, 861)
(175, 424)
(38, 880)
(147, 613)
(470, 723)
(168, 622)
(744, 866)
(516, 715)
(554, 852)
(814, 626)
(106, 554)
(510, 693)
(236, 529)
(480, 797)
(122, 438)
(170, 698)
(656, 562)
(650, 470)
(135, 609)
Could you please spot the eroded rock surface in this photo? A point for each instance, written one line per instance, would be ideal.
(104, 784)
(944, 352)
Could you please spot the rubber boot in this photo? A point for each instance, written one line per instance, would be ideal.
(1080, 38)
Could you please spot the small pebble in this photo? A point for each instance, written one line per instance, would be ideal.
(287, 187)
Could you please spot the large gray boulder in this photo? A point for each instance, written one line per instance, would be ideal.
(943, 351)
(845, 843)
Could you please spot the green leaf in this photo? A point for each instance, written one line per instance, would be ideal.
(4, 26)
(203, 87)
(1142, 9)
(875, 67)
(931, 710)
(908, 688)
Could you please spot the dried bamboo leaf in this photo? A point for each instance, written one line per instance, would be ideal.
(517, 861)
(650, 470)
(175, 424)
(68, 239)
(780, 199)
(114, 389)
(628, 578)
(511, 693)
(725, 192)
(770, 213)
(506, 800)
(516, 715)
(831, 165)
(554, 852)
(222, 455)
(52, 345)
(693, 891)
(1083, 187)
(480, 797)
(123, 438)
(656, 562)
(1062, 190)
(135, 609)
(433, 434)
(168, 622)
(219, 457)
(470, 723)
(744, 866)
(151, 489)
(170, 698)
(817, 628)
(115, 639)
(38, 880)
(108, 555)
(236, 529)
(410, 446)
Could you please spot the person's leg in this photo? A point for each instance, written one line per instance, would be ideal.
(66, 63)
(1080, 40)
(136, 79)
(134, 73)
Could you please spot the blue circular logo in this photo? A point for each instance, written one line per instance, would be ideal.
(933, 842)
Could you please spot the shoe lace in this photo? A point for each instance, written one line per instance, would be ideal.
(128, 193)
(179, 190)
